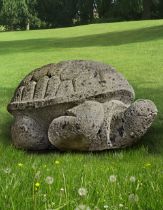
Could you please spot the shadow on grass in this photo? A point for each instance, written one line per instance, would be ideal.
(153, 140)
(105, 39)
(5, 117)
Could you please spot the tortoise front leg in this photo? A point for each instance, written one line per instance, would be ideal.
(129, 126)
(77, 130)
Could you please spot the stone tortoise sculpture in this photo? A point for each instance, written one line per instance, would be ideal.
(78, 105)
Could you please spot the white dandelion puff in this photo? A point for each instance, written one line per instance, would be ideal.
(82, 207)
(82, 191)
(50, 209)
(62, 190)
(13, 175)
(49, 180)
(132, 179)
(96, 208)
(121, 205)
(112, 178)
(37, 175)
(106, 206)
(44, 199)
(133, 198)
(7, 170)
(53, 203)
(34, 165)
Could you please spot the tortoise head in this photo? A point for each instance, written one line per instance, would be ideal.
(139, 117)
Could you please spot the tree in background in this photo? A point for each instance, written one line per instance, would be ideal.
(9, 13)
(119, 9)
(57, 13)
(160, 9)
(85, 10)
(128, 10)
(104, 8)
(152, 9)
(0, 5)
(31, 18)
(26, 14)
(18, 13)
(147, 9)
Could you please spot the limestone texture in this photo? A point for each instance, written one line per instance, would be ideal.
(78, 105)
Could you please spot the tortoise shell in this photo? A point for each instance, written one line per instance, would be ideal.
(71, 81)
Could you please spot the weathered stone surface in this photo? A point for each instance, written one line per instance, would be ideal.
(78, 105)
(28, 133)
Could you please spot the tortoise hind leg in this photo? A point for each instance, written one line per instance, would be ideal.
(28, 134)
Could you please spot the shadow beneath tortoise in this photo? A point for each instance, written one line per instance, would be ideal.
(5, 117)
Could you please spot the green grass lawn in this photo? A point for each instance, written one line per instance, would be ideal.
(136, 50)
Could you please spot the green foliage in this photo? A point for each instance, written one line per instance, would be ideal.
(160, 9)
(57, 13)
(21, 14)
(32, 14)
(10, 11)
(85, 10)
(104, 8)
(18, 13)
(130, 10)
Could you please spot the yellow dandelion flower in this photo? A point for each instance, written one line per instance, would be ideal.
(57, 162)
(147, 165)
(20, 164)
(37, 184)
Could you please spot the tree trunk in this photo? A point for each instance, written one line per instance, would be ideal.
(146, 9)
(28, 25)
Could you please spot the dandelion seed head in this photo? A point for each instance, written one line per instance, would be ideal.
(106, 206)
(52, 203)
(49, 180)
(50, 206)
(13, 175)
(82, 191)
(7, 170)
(82, 207)
(133, 198)
(34, 166)
(112, 178)
(37, 175)
(50, 209)
(62, 189)
(44, 198)
(121, 205)
(132, 179)
(96, 208)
